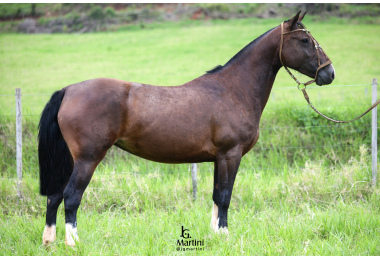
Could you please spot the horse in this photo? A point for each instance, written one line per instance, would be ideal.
(213, 118)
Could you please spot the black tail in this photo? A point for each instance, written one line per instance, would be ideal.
(53, 154)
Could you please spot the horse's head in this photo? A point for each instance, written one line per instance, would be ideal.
(300, 51)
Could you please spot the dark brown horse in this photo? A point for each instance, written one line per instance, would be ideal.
(213, 118)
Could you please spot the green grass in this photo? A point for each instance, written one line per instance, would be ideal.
(286, 201)
(169, 55)
(310, 211)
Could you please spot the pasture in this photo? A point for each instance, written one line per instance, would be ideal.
(304, 189)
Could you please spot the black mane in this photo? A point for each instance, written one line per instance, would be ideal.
(215, 69)
(239, 54)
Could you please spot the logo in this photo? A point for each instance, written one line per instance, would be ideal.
(187, 243)
(184, 234)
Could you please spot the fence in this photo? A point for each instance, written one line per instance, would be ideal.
(374, 84)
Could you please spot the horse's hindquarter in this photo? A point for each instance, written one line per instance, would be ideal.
(91, 116)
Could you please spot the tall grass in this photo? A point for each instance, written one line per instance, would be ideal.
(304, 189)
(311, 210)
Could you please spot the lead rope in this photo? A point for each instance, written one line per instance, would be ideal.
(333, 120)
(317, 46)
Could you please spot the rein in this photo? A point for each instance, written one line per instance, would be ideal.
(317, 47)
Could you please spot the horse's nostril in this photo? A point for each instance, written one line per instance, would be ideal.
(333, 75)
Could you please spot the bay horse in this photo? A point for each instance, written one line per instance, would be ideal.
(213, 118)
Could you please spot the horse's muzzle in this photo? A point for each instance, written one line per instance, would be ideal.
(326, 75)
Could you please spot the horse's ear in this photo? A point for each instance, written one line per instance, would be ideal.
(294, 20)
(302, 16)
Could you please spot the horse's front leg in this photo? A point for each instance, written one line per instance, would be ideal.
(226, 168)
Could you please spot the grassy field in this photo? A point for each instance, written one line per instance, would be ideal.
(286, 201)
(312, 211)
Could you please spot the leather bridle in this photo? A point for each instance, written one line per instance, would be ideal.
(320, 66)
(317, 47)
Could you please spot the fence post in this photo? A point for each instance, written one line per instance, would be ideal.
(18, 142)
(374, 134)
(194, 178)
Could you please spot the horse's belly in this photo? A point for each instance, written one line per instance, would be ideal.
(167, 151)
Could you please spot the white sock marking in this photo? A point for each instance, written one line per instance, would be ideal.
(215, 221)
(214, 218)
(49, 235)
(71, 234)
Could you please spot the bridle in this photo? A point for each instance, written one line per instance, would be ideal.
(317, 47)
(320, 66)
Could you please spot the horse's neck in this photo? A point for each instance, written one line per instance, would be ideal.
(255, 71)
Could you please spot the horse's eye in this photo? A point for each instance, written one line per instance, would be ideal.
(305, 40)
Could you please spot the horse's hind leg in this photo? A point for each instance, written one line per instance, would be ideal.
(90, 118)
(82, 173)
(53, 202)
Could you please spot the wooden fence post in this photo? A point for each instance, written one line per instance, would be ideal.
(194, 178)
(18, 142)
(374, 134)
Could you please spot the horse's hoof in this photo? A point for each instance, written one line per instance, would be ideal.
(224, 231)
(70, 242)
(47, 242)
(49, 235)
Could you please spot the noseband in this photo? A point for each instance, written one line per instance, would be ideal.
(317, 47)
(320, 66)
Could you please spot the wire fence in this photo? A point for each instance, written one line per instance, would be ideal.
(8, 139)
(261, 128)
